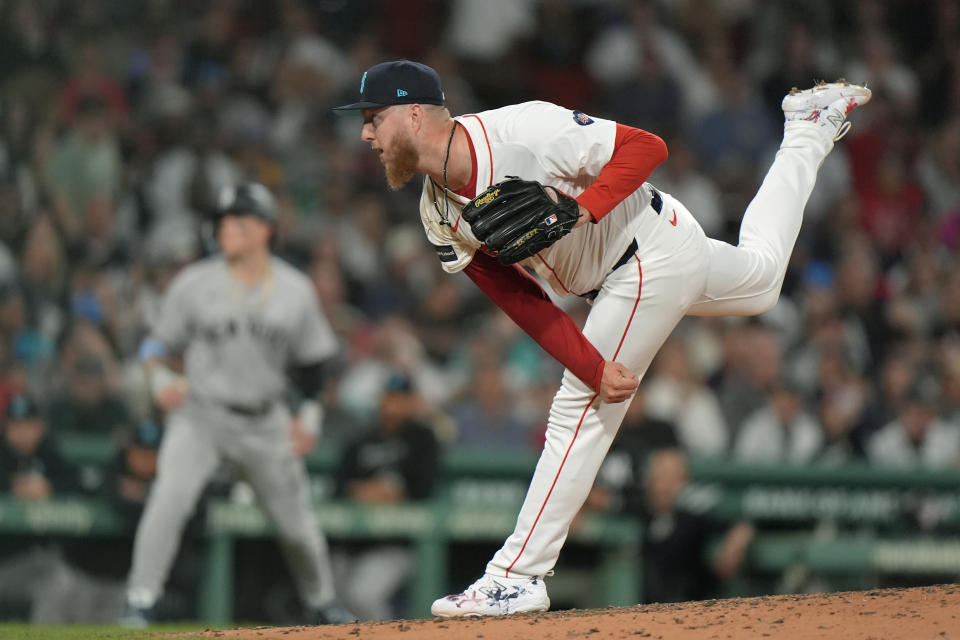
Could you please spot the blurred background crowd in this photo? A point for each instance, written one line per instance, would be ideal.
(119, 120)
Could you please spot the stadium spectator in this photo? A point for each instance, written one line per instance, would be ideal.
(674, 548)
(90, 81)
(28, 42)
(831, 346)
(938, 172)
(31, 469)
(397, 461)
(619, 484)
(634, 45)
(677, 537)
(84, 164)
(485, 51)
(736, 135)
(32, 466)
(26, 343)
(91, 587)
(131, 475)
(676, 393)
(392, 345)
(859, 290)
(781, 431)
(840, 412)
(486, 420)
(754, 362)
(877, 65)
(897, 377)
(43, 274)
(918, 435)
(949, 367)
(89, 404)
(90, 584)
(799, 53)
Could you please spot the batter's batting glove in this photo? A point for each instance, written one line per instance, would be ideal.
(516, 219)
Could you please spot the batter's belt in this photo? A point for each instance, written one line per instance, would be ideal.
(255, 411)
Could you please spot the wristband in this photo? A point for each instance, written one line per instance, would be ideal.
(311, 417)
(161, 378)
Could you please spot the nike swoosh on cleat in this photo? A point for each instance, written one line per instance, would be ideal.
(674, 221)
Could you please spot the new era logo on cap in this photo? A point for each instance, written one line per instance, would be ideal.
(380, 86)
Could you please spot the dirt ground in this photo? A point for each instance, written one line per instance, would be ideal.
(890, 614)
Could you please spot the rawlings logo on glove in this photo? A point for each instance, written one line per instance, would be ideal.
(490, 194)
(517, 218)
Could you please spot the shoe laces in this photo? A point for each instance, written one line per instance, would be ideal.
(496, 589)
(842, 131)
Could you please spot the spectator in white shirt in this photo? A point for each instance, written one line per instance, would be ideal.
(780, 431)
(918, 435)
(677, 394)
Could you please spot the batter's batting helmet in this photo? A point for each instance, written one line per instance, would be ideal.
(247, 199)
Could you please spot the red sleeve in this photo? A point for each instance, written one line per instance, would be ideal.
(636, 154)
(527, 304)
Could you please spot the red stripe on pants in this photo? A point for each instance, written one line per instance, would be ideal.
(579, 424)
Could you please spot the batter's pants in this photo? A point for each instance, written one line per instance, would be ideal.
(198, 437)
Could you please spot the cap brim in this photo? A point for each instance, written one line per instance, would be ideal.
(376, 105)
(356, 106)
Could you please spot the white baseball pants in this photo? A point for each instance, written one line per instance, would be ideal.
(198, 437)
(676, 271)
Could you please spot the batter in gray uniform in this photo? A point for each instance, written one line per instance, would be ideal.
(241, 320)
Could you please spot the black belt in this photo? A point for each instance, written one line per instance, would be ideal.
(624, 259)
(257, 411)
(656, 201)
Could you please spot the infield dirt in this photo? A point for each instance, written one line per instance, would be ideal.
(920, 613)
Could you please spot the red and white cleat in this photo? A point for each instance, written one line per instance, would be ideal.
(494, 596)
(827, 104)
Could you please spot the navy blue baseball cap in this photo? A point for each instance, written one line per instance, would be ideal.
(398, 382)
(147, 434)
(397, 82)
(21, 407)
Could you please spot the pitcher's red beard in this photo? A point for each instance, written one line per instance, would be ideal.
(404, 163)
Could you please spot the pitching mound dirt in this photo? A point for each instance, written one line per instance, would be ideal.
(890, 614)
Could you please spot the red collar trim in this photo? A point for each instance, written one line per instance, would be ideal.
(469, 190)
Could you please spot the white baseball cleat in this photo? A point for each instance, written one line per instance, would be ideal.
(827, 104)
(494, 596)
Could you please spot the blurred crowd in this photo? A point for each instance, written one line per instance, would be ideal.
(119, 119)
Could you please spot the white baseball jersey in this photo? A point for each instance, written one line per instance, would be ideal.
(238, 342)
(557, 147)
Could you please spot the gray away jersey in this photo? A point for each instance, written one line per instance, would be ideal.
(237, 341)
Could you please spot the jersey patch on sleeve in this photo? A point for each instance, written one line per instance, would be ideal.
(581, 118)
(446, 253)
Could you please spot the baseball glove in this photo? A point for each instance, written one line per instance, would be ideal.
(517, 218)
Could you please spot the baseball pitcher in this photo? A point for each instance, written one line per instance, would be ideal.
(565, 194)
(244, 321)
